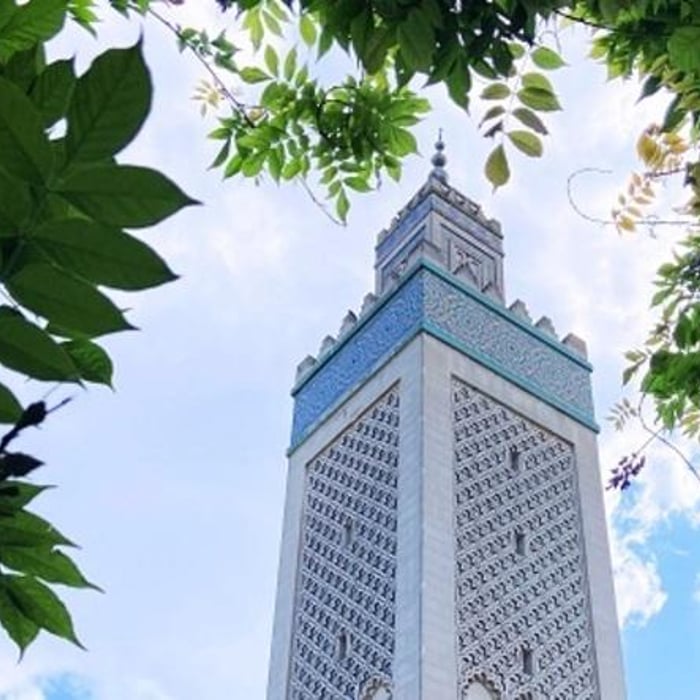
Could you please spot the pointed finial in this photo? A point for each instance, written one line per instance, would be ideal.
(439, 160)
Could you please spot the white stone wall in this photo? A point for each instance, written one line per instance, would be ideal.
(426, 661)
(402, 378)
(442, 366)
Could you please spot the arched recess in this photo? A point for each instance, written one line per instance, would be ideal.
(375, 689)
(476, 690)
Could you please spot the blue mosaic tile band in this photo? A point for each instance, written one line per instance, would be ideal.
(429, 300)
(353, 361)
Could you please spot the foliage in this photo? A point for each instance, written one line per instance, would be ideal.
(64, 202)
(349, 134)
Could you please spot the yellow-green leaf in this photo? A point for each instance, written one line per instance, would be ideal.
(272, 60)
(496, 169)
(495, 91)
(527, 142)
(307, 29)
(547, 59)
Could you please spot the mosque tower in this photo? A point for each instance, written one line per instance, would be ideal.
(444, 535)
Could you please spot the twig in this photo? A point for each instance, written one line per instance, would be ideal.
(318, 202)
(237, 104)
(645, 221)
(570, 195)
(657, 434)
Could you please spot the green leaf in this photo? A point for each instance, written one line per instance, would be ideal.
(342, 205)
(683, 332)
(17, 464)
(547, 59)
(416, 39)
(65, 301)
(17, 494)
(93, 363)
(271, 23)
(25, 151)
(650, 87)
(402, 142)
(307, 29)
(492, 113)
(526, 142)
(538, 81)
(45, 563)
(28, 349)
(253, 23)
(496, 169)
(459, 83)
(53, 89)
(15, 204)
(101, 254)
(357, 183)
(291, 169)
(41, 605)
(290, 64)
(252, 75)
(29, 24)
(23, 67)
(495, 91)
(516, 50)
(376, 49)
(123, 195)
(109, 104)
(272, 61)
(10, 407)
(539, 100)
(20, 628)
(24, 529)
(233, 166)
(683, 48)
(529, 118)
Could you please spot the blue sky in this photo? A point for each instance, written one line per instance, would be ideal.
(173, 485)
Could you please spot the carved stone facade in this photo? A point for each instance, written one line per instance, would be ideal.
(523, 614)
(343, 638)
(443, 481)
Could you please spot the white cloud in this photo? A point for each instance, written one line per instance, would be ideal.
(638, 587)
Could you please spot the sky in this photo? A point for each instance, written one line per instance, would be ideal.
(173, 485)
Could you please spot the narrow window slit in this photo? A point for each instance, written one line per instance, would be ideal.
(514, 458)
(342, 646)
(348, 533)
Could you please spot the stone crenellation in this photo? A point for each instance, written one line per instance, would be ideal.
(352, 321)
(457, 199)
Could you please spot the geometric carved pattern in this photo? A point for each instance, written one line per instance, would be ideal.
(344, 608)
(430, 300)
(522, 610)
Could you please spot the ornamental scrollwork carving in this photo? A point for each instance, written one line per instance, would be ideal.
(522, 610)
(344, 606)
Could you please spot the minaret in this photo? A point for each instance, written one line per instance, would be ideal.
(444, 535)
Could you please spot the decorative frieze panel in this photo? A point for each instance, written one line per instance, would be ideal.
(522, 610)
(343, 638)
(427, 300)
(507, 346)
